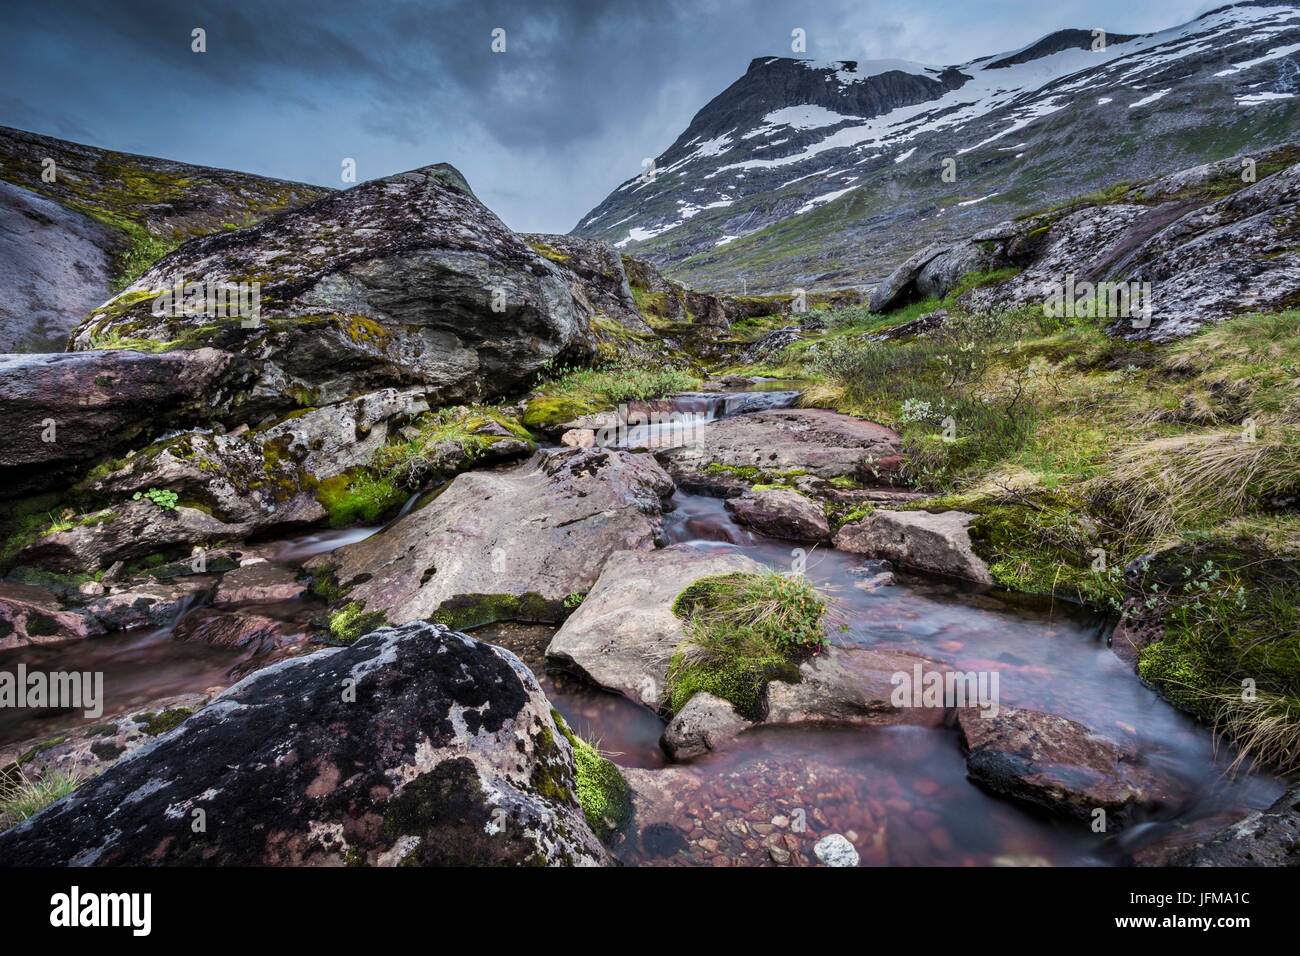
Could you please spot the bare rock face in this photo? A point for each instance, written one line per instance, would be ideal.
(61, 411)
(625, 632)
(398, 282)
(938, 543)
(55, 265)
(1057, 763)
(781, 513)
(501, 545)
(446, 754)
(813, 440)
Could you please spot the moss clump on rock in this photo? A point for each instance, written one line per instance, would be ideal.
(352, 621)
(158, 724)
(600, 788)
(475, 610)
(545, 411)
(746, 630)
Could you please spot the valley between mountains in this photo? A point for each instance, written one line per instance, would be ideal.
(397, 537)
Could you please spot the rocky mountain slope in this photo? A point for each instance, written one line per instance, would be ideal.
(807, 174)
(78, 221)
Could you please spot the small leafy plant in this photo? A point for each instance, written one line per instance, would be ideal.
(165, 500)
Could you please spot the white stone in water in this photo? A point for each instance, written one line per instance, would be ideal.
(835, 850)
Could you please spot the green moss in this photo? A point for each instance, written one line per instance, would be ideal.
(601, 790)
(157, 724)
(466, 611)
(358, 497)
(353, 621)
(41, 625)
(546, 410)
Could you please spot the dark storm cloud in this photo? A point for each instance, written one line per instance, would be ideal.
(585, 90)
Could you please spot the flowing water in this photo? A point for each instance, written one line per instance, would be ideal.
(900, 792)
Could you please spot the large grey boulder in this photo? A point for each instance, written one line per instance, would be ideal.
(510, 544)
(402, 281)
(415, 745)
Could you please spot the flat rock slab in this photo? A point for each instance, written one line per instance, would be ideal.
(938, 543)
(259, 582)
(1056, 763)
(625, 632)
(508, 544)
(448, 755)
(813, 440)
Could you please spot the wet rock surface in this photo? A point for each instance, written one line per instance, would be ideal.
(446, 754)
(781, 513)
(1058, 764)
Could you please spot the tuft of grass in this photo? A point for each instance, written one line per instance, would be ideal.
(1192, 480)
(22, 796)
(744, 630)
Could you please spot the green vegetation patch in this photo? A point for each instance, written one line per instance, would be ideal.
(601, 790)
(745, 630)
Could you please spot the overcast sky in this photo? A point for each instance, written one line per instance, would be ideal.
(543, 131)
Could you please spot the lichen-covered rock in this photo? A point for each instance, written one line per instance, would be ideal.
(416, 746)
(625, 632)
(781, 513)
(1058, 764)
(1210, 246)
(90, 749)
(596, 277)
(502, 545)
(781, 441)
(128, 532)
(401, 281)
(938, 543)
(267, 476)
(65, 241)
